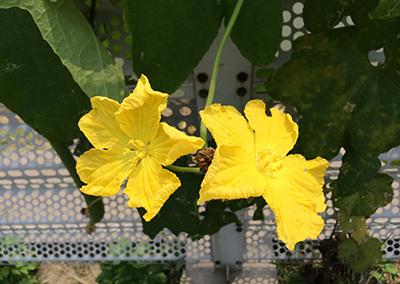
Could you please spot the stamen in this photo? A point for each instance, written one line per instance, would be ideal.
(139, 147)
(266, 163)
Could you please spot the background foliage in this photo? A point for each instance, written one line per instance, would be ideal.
(52, 62)
(141, 272)
(18, 273)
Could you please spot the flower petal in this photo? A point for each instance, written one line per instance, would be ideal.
(104, 170)
(170, 144)
(150, 186)
(295, 196)
(100, 126)
(140, 113)
(277, 133)
(232, 175)
(227, 126)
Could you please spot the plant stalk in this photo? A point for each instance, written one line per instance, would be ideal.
(216, 65)
(179, 169)
(95, 205)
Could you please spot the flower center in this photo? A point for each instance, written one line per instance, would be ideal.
(139, 147)
(266, 163)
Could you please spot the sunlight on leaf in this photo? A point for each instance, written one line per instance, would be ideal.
(70, 36)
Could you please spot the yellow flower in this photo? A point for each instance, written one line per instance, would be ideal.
(251, 160)
(130, 142)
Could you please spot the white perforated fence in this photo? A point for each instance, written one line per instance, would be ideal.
(40, 216)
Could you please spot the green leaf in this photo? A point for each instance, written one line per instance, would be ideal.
(369, 196)
(343, 100)
(258, 28)
(170, 37)
(140, 272)
(260, 88)
(214, 217)
(314, 82)
(73, 40)
(320, 15)
(377, 275)
(359, 229)
(358, 10)
(238, 204)
(37, 86)
(34, 83)
(180, 212)
(356, 169)
(386, 9)
(259, 212)
(390, 268)
(360, 256)
(340, 96)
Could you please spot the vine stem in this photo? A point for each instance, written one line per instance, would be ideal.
(68, 161)
(95, 204)
(216, 65)
(179, 169)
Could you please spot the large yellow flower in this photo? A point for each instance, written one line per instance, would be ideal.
(130, 142)
(251, 160)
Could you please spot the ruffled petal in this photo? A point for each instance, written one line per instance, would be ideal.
(295, 195)
(104, 170)
(232, 175)
(140, 113)
(228, 126)
(100, 126)
(150, 186)
(170, 144)
(277, 133)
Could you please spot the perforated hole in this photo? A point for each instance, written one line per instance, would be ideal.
(167, 112)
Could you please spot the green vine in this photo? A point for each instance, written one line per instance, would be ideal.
(216, 65)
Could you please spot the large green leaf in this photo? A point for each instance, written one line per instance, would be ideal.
(34, 83)
(73, 40)
(371, 34)
(360, 256)
(369, 196)
(358, 10)
(314, 81)
(360, 228)
(386, 9)
(37, 86)
(258, 28)
(343, 100)
(340, 96)
(170, 37)
(355, 170)
(322, 15)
